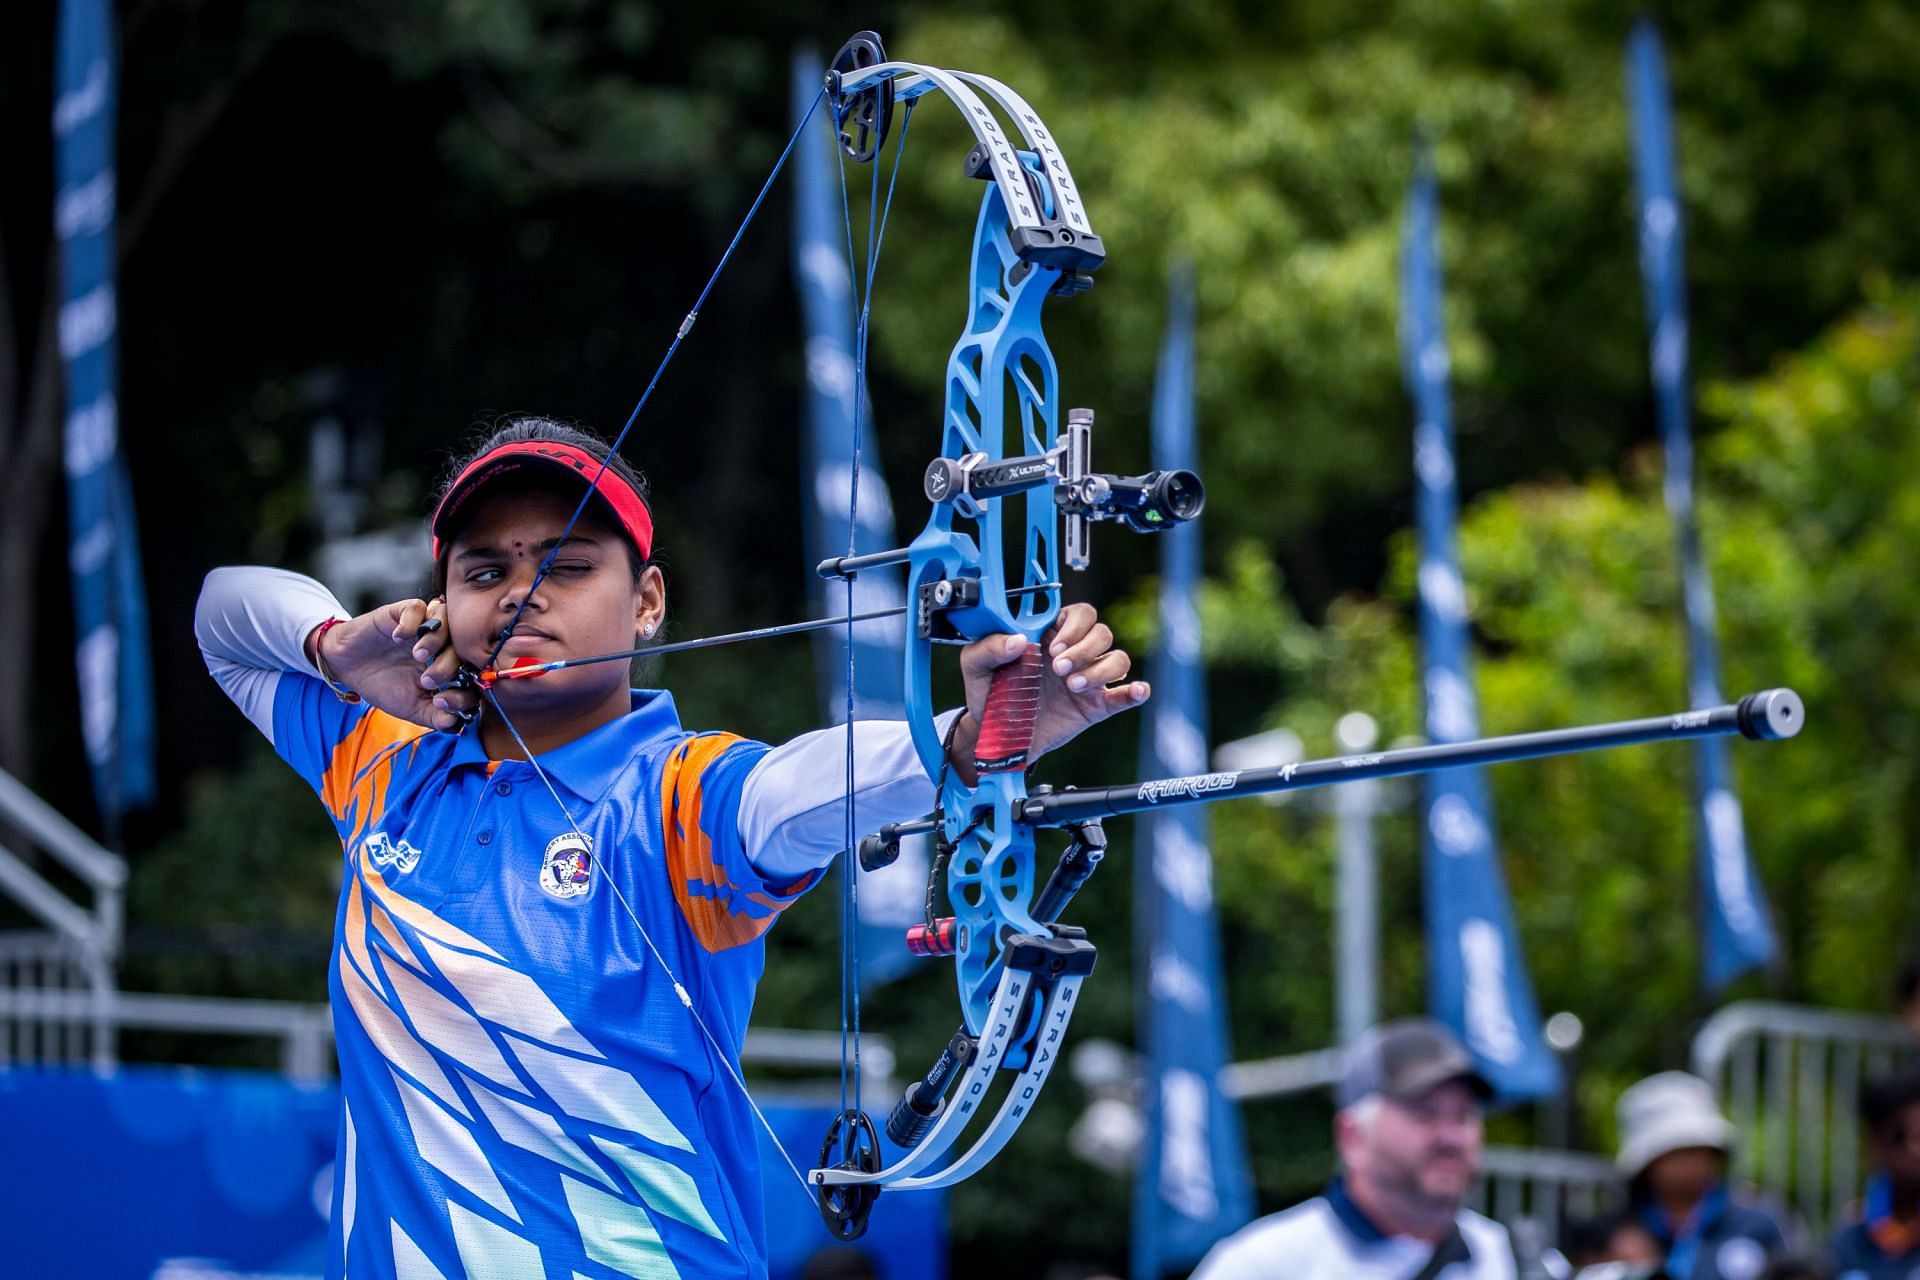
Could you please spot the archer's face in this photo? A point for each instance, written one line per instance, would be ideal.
(587, 604)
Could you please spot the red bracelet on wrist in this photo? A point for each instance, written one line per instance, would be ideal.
(332, 682)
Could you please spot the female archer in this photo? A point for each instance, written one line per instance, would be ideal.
(552, 913)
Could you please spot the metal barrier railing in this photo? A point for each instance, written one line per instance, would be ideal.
(305, 1031)
(1790, 1077)
(1545, 1187)
(81, 942)
(1281, 1077)
(59, 1005)
(31, 961)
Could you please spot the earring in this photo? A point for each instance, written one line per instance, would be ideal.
(646, 633)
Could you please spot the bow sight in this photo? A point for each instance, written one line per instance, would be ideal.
(1150, 503)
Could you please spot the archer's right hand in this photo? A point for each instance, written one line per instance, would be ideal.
(399, 658)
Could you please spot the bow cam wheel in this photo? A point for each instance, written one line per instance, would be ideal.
(866, 116)
(853, 1145)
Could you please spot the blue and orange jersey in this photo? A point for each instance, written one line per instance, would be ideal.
(524, 1095)
(1881, 1245)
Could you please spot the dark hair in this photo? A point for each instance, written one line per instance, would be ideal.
(522, 428)
(1589, 1240)
(1882, 1100)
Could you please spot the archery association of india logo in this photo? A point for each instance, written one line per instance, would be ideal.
(566, 869)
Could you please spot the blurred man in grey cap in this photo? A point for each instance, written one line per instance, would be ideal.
(1408, 1132)
(1673, 1152)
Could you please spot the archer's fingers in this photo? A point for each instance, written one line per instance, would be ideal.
(436, 617)
(983, 656)
(1095, 645)
(1074, 622)
(454, 707)
(1124, 697)
(410, 614)
(432, 638)
(438, 672)
(1109, 668)
(457, 702)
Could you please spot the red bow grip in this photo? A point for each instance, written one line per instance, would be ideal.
(1006, 727)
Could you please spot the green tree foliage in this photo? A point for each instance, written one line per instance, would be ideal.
(1809, 517)
(1271, 145)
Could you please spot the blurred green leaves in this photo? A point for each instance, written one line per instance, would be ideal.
(1810, 519)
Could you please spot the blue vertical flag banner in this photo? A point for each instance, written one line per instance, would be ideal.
(1193, 1184)
(109, 600)
(1739, 933)
(1477, 975)
(894, 897)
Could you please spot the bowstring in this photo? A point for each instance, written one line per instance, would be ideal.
(546, 564)
(849, 892)
(679, 989)
(680, 336)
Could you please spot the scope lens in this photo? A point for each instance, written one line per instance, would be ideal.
(1177, 495)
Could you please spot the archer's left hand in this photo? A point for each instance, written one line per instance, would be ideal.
(1086, 678)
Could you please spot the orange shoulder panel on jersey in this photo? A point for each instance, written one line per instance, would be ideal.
(722, 914)
(354, 787)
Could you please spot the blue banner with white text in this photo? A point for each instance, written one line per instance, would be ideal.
(109, 600)
(893, 898)
(1193, 1184)
(1739, 932)
(1477, 974)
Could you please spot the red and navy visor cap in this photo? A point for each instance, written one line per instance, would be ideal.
(618, 500)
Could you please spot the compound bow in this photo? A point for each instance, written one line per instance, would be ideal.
(988, 565)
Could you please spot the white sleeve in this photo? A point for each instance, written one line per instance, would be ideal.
(252, 623)
(1492, 1246)
(793, 817)
(1298, 1244)
(1233, 1259)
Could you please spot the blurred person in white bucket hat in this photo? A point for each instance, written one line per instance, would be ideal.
(1674, 1145)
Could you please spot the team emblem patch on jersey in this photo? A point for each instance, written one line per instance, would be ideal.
(397, 854)
(567, 869)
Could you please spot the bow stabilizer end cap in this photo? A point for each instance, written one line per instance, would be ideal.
(1770, 715)
(880, 850)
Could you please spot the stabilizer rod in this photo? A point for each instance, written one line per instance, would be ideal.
(1764, 716)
